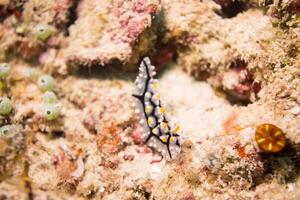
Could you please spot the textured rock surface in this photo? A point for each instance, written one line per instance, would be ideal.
(110, 30)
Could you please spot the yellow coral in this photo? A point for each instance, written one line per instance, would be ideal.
(270, 138)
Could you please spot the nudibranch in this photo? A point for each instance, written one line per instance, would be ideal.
(158, 131)
(270, 138)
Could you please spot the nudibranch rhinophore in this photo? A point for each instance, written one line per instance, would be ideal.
(157, 129)
(270, 138)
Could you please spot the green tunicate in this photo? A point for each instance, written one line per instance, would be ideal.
(42, 31)
(5, 106)
(51, 112)
(50, 97)
(5, 130)
(4, 70)
(46, 83)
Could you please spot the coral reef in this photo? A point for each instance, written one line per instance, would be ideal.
(12, 140)
(227, 65)
(111, 30)
(228, 73)
(19, 33)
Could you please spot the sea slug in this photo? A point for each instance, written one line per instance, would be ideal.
(157, 129)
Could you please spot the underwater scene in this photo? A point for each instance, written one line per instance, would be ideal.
(150, 99)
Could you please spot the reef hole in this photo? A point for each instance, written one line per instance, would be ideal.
(72, 16)
(237, 84)
(164, 54)
(283, 166)
(230, 8)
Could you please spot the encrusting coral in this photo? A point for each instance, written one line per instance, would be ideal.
(111, 30)
(270, 138)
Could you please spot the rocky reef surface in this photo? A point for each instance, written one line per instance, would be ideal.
(228, 72)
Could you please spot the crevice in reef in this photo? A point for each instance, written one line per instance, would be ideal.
(164, 54)
(230, 8)
(235, 84)
(284, 166)
(114, 69)
(239, 93)
(72, 16)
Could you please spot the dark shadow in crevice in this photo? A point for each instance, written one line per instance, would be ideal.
(72, 16)
(230, 8)
(57, 134)
(283, 166)
(233, 100)
(112, 71)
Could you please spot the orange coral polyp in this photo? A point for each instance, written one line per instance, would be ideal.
(270, 138)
